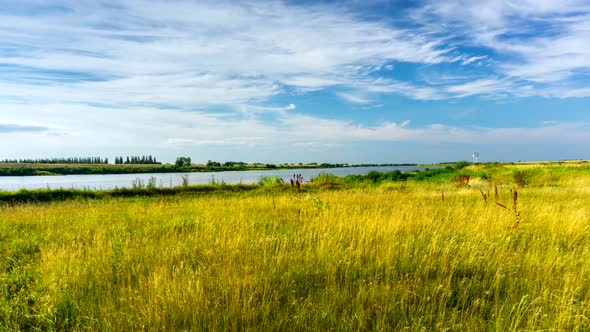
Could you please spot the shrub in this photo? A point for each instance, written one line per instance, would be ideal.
(461, 164)
(523, 177)
(325, 178)
(266, 180)
(373, 176)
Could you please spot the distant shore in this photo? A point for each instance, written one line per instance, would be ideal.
(42, 169)
(39, 169)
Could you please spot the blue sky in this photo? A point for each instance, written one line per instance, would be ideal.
(296, 81)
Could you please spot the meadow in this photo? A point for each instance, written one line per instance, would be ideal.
(507, 249)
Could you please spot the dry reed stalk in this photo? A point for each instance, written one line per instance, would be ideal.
(496, 195)
(515, 209)
(485, 197)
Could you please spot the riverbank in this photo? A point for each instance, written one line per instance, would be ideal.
(152, 187)
(461, 175)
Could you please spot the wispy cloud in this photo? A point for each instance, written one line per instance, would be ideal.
(15, 128)
(544, 42)
(353, 98)
(197, 53)
(182, 74)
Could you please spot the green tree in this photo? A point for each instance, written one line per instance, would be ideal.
(183, 162)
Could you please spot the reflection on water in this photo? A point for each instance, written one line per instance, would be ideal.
(112, 181)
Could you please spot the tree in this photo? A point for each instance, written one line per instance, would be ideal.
(183, 162)
(213, 164)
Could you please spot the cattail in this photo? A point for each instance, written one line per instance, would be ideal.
(496, 195)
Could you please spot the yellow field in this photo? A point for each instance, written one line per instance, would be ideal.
(390, 257)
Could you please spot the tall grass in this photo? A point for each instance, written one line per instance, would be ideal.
(392, 256)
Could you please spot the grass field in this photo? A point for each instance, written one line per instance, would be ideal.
(406, 255)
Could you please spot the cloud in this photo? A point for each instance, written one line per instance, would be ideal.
(538, 41)
(315, 145)
(480, 87)
(133, 130)
(261, 109)
(15, 128)
(473, 59)
(179, 54)
(352, 98)
(194, 54)
(198, 74)
(234, 141)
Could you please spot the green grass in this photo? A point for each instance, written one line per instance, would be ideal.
(388, 255)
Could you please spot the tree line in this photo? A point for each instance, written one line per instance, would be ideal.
(74, 160)
(139, 160)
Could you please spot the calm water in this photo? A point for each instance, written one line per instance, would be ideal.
(12, 183)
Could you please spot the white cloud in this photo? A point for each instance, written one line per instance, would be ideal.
(473, 59)
(197, 53)
(260, 109)
(540, 41)
(181, 74)
(481, 87)
(134, 129)
(353, 98)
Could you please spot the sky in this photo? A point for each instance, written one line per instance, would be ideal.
(357, 81)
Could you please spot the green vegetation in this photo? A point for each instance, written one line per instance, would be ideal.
(75, 160)
(183, 162)
(132, 165)
(382, 252)
(137, 160)
(138, 189)
(69, 169)
(266, 180)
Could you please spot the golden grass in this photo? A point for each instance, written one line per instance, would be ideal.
(386, 258)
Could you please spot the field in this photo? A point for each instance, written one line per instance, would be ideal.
(435, 254)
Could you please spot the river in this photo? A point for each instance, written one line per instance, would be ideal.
(111, 181)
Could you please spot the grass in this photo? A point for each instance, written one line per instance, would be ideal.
(385, 255)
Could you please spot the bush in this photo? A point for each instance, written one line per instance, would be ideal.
(266, 180)
(373, 176)
(433, 174)
(326, 179)
(461, 164)
(523, 177)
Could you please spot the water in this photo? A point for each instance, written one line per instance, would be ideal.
(111, 181)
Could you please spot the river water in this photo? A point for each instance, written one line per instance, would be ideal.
(111, 181)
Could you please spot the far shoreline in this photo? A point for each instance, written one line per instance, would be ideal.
(44, 169)
(112, 169)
